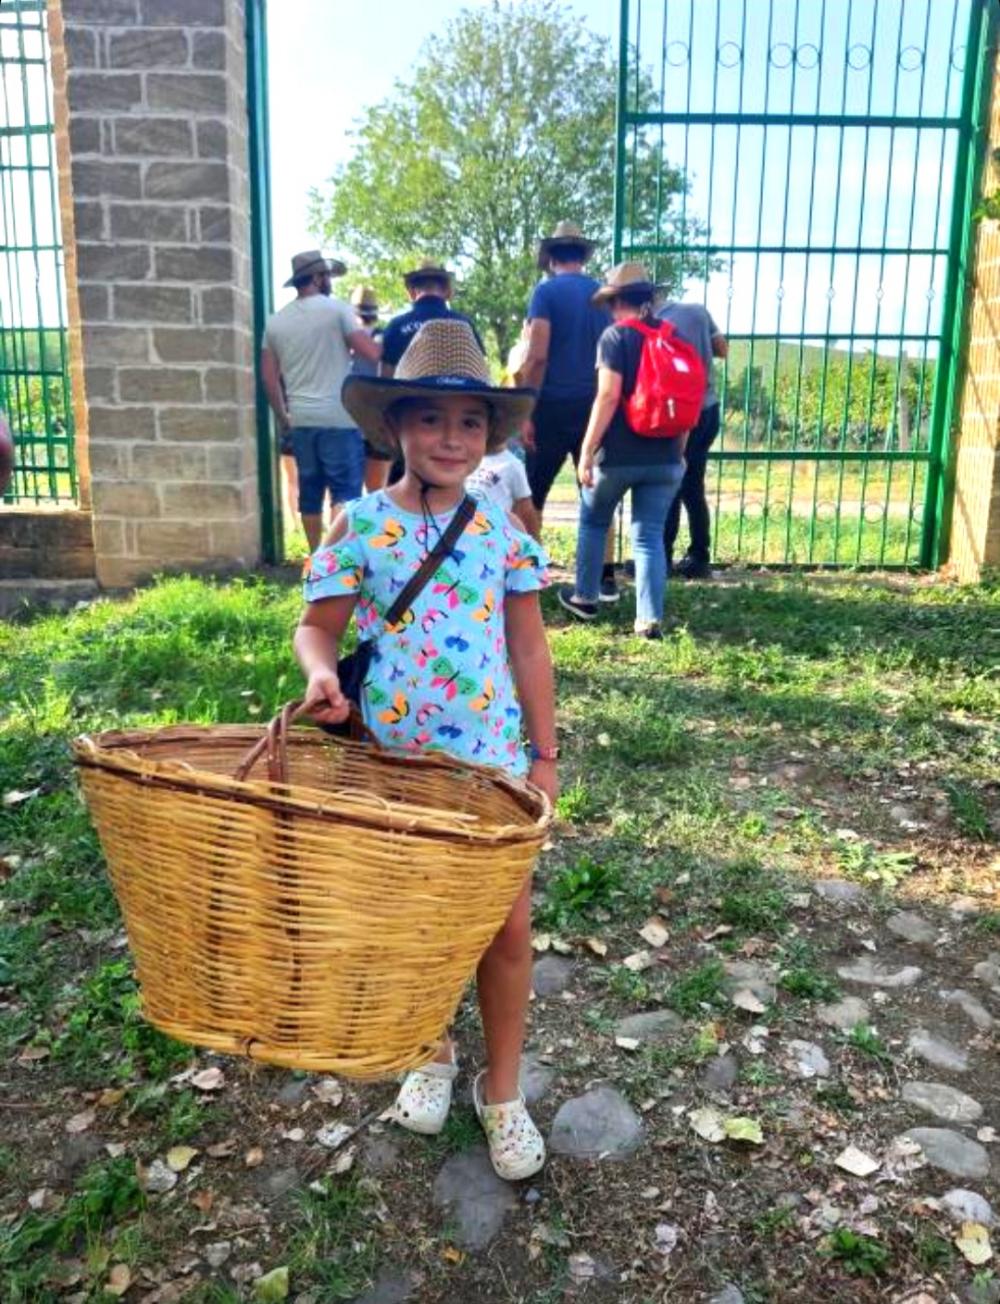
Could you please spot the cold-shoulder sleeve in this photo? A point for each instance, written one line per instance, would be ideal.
(336, 570)
(526, 567)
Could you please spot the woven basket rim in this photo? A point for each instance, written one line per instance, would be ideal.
(113, 751)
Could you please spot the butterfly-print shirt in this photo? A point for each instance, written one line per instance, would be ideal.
(440, 678)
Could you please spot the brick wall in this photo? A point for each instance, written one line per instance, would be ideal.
(975, 529)
(152, 131)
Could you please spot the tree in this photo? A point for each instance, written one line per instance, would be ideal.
(506, 126)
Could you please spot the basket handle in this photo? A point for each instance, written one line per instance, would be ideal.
(275, 742)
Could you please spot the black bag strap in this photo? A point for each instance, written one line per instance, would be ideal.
(464, 513)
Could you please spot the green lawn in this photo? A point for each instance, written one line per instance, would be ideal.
(769, 740)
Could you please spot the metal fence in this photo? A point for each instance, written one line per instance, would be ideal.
(34, 364)
(807, 169)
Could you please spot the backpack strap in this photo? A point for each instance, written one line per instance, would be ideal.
(649, 331)
(464, 513)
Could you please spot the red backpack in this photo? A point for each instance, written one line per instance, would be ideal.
(669, 386)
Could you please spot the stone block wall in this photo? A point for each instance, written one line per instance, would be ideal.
(975, 524)
(154, 186)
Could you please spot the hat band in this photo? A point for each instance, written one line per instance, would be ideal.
(445, 382)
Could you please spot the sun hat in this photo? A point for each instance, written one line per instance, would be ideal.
(442, 358)
(565, 234)
(626, 276)
(311, 262)
(365, 301)
(427, 270)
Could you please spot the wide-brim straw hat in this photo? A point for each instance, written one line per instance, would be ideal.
(311, 263)
(565, 234)
(626, 276)
(364, 301)
(427, 270)
(443, 358)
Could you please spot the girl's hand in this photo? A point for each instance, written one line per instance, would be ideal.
(585, 470)
(545, 775)
(323, 699)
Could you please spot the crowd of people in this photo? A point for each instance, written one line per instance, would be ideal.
(579, 352)
(440, 563)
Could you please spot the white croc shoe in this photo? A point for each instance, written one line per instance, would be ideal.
(517, 1148)
(425, 1098)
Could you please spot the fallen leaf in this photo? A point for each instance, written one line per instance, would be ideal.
(16, 796)
(597, 946)
(627, 1043)
(664, 895)
(110, 1097)
(974, 1242)
(328, 1091)
(744, 999)
(208, 1079)
(581, 1268)
(654, 932)
(178, 1157)
(707, 1122)
(541, 942)
(254, 1157)
(343, 1162)
(562, 946)
(294, 1134)
(272, 1288)
(720, 930)
(666, 1235)
(855, 1161)
(638, 961)
(203, 1200)
(333, 1135)
(743, 1129)
(115, 1149)
(31, 1054)
(80, 1122)
(119, 1280)
(451, 1255)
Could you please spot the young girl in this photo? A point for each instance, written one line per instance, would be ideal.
(456, 672)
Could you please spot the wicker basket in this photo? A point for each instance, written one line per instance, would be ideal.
(316, 902)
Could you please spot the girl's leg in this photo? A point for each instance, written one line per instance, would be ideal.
(504, 983)
(597, 511)
(652, 497)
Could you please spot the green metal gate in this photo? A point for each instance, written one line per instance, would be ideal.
(807, 169)
(34, 353)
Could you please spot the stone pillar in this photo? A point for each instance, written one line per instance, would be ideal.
(975, 524)
(152, 120)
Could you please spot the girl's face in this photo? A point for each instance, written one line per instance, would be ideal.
(443, 439)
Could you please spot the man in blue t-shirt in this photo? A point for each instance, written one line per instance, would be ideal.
(564, 327)
(429, 287)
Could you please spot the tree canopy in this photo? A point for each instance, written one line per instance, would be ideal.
(506, 126)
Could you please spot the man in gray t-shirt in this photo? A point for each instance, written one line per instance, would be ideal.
(695, 324)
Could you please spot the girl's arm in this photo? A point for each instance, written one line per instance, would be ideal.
(609, 393)
(317, 642)
(527, 516)
(528, 649)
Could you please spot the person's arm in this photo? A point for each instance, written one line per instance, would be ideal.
(536, 360)
(527, 513)
(720, 346)
(362, 343)
(317, 642)
(531, 665)
(270, 375)
(609, 393)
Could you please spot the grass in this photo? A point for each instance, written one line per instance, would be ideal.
(678, 799)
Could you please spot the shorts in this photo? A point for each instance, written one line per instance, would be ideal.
(328, 460)
(285, 445)
(377, 454)
(560, 425)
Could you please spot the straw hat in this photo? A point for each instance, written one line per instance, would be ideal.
(626, 276)
(427, 270)
(442, 358)
(566, 233)
(312, 262)
(364, 301)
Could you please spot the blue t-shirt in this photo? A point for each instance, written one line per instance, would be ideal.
(564, 301)
(402, 329)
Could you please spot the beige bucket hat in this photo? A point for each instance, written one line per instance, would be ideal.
(427, 270)
(442, 358)
(364, 301)
(313, 261)
(566, 233)
(626, 276)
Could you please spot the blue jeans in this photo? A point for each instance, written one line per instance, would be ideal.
(331, 459)
(653, 490)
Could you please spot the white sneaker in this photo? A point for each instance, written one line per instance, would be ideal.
(517, 1148)
(425, 1098)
